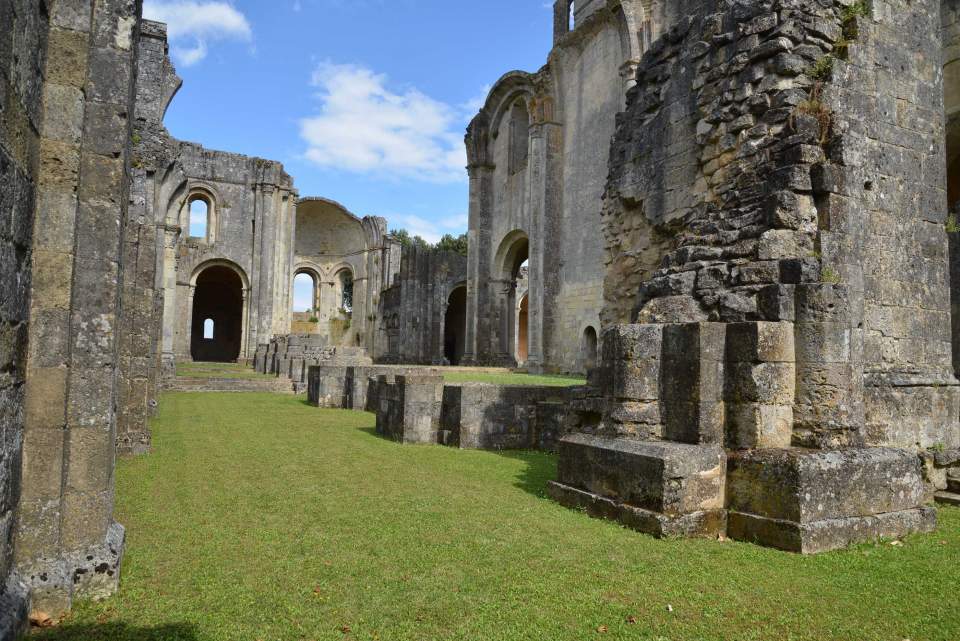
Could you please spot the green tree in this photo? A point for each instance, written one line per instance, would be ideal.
(456, 244)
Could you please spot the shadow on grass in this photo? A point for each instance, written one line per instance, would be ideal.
(540, 467)
(118, 632)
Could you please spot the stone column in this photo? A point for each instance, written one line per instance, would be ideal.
(478, 304)
(169, 275)
(67, 543)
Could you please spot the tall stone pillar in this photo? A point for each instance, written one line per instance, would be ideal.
(67, 543)
(478, 289)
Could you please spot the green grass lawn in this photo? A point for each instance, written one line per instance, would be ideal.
(218, 370)
(512, 378)
(258, 517)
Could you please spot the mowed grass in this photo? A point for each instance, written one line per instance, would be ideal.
(258, 517)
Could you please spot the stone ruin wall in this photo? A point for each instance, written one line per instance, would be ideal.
(744, 190)
(413, 310)
(146, 239)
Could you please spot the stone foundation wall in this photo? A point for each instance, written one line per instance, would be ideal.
(467, 415)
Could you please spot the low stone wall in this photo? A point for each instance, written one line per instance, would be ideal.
(504, 417)
(468, 415)
(292, 356)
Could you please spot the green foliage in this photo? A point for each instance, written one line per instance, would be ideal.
(820, 70)
(937, 447)
(313, 319)
(455, 244)
(257, 516)
(830, 276)
(406, 240)
(952, 225)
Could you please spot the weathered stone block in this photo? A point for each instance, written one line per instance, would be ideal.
(657, 487)
(692, 382)
(813, 501)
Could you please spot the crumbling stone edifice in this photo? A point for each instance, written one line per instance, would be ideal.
(767, 298)
(778, 351)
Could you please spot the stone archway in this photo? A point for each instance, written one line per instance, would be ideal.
(588, 349)
(217, 323)
(508, 290)
(455, 326)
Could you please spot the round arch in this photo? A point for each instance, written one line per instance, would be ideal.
(218, 311)
(208, 194)
(219, 262)
(455, 324)
(589, 348)
(514, 249)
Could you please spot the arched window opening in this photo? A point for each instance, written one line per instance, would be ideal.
(199, 218)
(208, 330)
(304, 293)
(571, 19)
(519, 136)
(346, 291)
(588, 348)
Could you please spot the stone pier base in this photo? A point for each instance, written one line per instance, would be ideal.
(657, 487)
(815, 501)
(91, 573)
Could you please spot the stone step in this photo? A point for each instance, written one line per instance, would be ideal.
(185, 384)
(948, 498)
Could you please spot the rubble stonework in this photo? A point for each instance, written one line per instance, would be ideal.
(772, 183)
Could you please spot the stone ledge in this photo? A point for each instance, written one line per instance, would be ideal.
(14, 609)
(828, 534)
(673, 479)
(705, 523)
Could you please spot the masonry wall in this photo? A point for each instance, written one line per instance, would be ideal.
(67, 543)
(551, 201)
(23, 48)
(414, 309)
(144, 244)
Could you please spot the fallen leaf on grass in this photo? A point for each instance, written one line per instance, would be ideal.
(40, 619)
(602, 629)
(631, 619)
(345, 629)
(669, 608)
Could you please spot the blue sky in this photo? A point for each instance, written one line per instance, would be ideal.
(363, 101)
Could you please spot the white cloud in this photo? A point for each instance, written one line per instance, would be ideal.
(191, 25)
(365, 127)
(430, 231)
